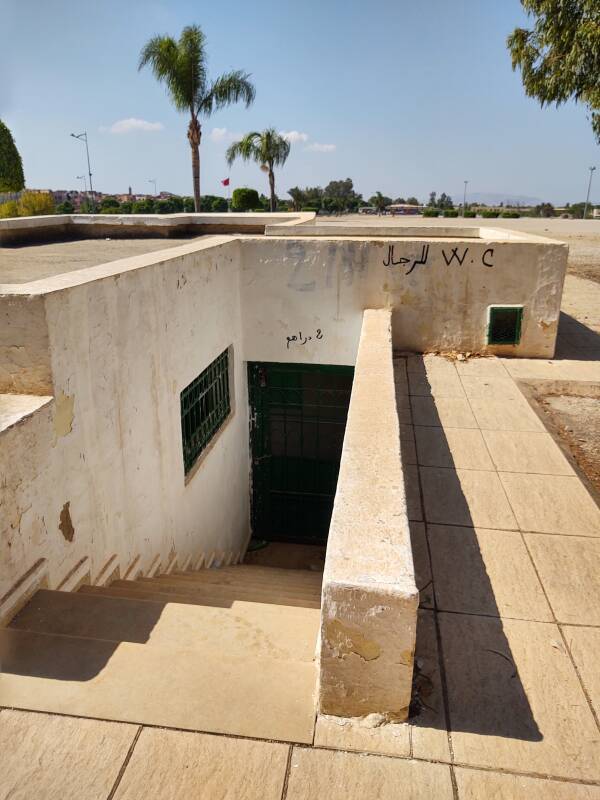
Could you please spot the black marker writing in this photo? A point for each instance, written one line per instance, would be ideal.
(454, 255)
(490, 250)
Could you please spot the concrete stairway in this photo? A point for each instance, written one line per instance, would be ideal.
(226, 650)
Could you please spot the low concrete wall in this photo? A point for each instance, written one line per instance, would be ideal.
(370, 599)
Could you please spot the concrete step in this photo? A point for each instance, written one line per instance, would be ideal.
(142, 591)
(243, 584)
(288, 556)
(282, 632)
(268, 572)
(240, 694)
(234, 575)
(274, 594)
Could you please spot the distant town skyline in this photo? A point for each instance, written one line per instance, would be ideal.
(405, 99)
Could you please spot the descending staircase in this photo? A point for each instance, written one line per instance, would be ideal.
(227, 650)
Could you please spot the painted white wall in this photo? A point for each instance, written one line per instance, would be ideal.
(116, 344)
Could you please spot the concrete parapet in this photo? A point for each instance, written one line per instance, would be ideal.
(370, 599)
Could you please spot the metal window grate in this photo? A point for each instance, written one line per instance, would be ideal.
(205, 404)
(505, 324)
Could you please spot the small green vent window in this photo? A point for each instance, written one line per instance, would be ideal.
(504, 325)
(205, 404)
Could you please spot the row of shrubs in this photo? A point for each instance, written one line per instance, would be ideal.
(486, 213)
(29, 204)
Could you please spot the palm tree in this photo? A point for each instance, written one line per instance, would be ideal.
(269, 149)
(181, 66)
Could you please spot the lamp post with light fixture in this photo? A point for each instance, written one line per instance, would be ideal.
(83, 138)
(587, 199)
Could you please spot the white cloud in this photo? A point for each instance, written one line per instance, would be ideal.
(294, 136)
(224, 135)
(317, 147)
(132, 124)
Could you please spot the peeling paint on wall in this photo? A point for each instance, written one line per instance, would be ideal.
(63, 414)
(66, 525)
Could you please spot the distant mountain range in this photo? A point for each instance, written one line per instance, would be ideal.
(495, 198)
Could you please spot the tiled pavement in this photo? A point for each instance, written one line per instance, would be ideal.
(507, 549)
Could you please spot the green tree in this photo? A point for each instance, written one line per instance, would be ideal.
(380, 201)
(35, 204)
(412, 201)
(181, 66)
(143, 206)
(339, 196)
(244, 199)
(11, 166)
(268, 148)
(108, 203)
(559, 58)
(66, 207)
(544, 210)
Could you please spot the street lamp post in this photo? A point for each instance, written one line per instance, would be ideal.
(83, 138)
(587, 199)
(465, 198)
(153, 180)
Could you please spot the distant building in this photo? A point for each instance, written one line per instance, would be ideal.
(404, 209)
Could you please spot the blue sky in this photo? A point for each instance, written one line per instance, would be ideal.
(403, 97)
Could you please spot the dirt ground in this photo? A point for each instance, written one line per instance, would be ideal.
(574, 415)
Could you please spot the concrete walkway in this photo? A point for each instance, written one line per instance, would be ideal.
(507, 695)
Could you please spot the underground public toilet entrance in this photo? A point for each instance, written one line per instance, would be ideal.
(298, 417)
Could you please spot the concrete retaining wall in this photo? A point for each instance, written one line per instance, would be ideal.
(370, 600)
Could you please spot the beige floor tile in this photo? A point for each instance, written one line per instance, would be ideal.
(551, 504)
(403, 408)
(208, 691)
(489, 572)
(562, 370)
(491, 387)
(465, 497)
(500, 414)
(515, 700)
(526, 451)
(435, 385)
(584, 644)
(361, 736)
(429, 733)
(429, 364)
(452, 447)
(422, 566)
(477, 785)
(449, 412)
(481, 368)
(400, 378)
(413, 494)
(172, 765)
(407, 444)
(318, 774)
(569, 568)
(44, 756)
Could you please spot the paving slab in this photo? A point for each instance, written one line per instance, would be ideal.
(487, 388)
(413, 493)
(174, 765)
(515, 700)
(447, 412)
(428, 727)
(316, 774)
(46, 756)
(526, 451)
(477, 785)
(212, 691)
(481, 368)
(407, 444)
(452, 447)
(584, 644)
(437, 384)
(363, 735)
(420, 552)
(551, 504)
(479, 571)
(557, 370)
(465, 497)
(502, 414)
(569, 568)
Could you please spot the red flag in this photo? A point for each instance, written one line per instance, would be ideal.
(225, 181)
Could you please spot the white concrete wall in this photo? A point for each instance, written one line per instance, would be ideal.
(122, 348)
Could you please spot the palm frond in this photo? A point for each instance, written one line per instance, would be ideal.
(248, 148)
(267, 147)
(225, 90)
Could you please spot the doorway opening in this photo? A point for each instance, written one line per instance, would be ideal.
(298, 419)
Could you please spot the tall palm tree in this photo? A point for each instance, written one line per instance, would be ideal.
(181, 66)
(269, 149)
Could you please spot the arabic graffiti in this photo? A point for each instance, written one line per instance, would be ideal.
(454, 255)
(300, 339)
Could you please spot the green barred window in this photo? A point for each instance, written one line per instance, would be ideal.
(505, 324)
(205, 404)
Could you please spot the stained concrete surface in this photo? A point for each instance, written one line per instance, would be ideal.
(31, 262)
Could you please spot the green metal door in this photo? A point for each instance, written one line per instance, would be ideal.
(298, 418)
